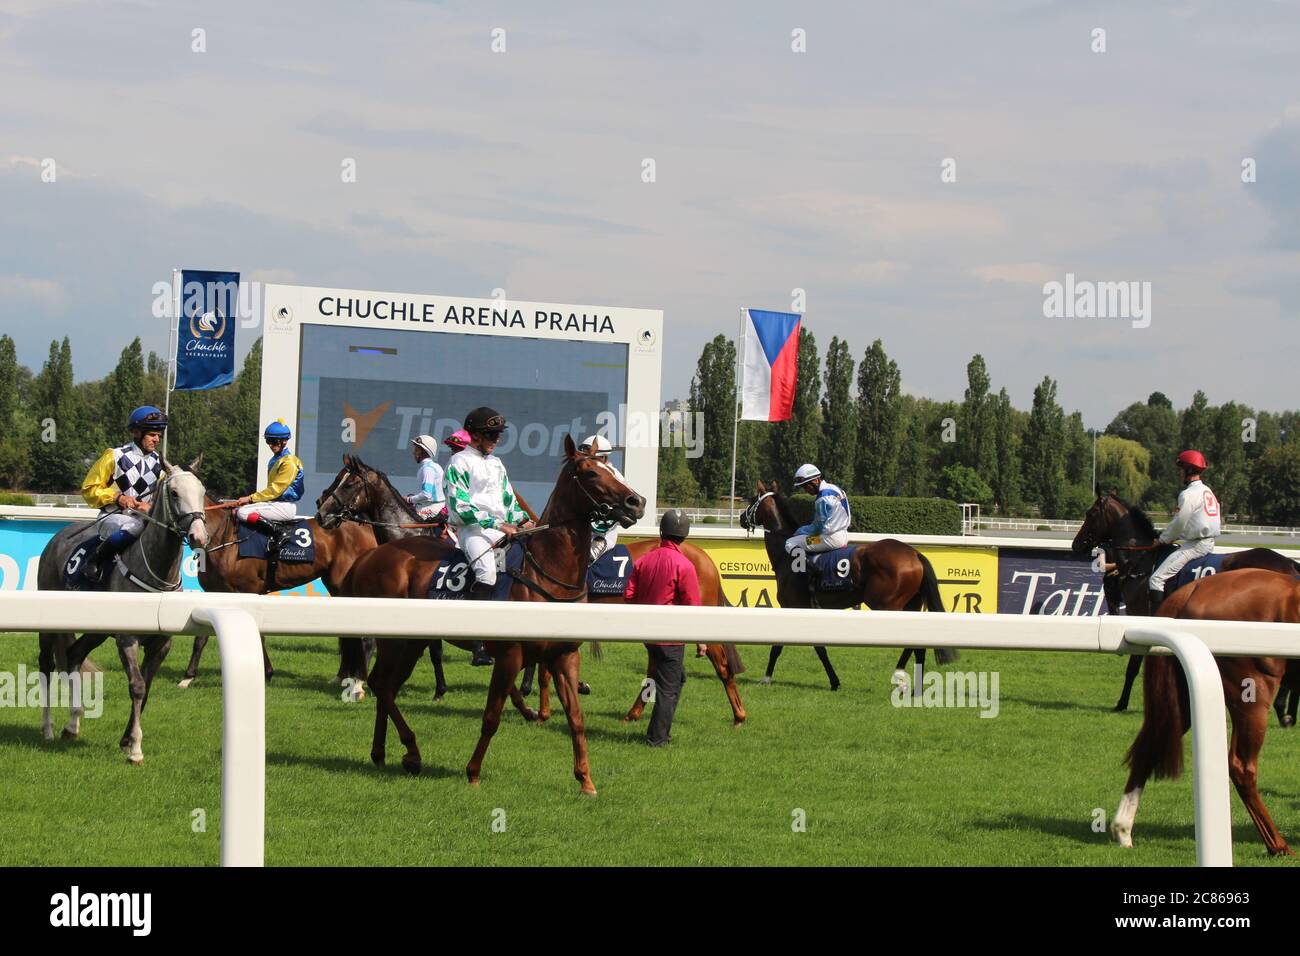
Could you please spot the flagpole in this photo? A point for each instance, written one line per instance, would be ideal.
(173, 328)
(735, 414)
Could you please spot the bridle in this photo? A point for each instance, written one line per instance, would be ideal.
(749, 517)
(188, 518)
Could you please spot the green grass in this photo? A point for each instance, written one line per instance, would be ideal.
(878, 785)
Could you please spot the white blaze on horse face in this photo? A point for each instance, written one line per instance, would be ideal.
(1122, 826)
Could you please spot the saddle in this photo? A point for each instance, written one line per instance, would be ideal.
(609, 575)
(293, 539)
(455, 575)
(1199, 568)
(83, 547)
(831, 571)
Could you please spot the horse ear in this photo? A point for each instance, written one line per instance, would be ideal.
(775, 486)
(570, 449)
(194, 465)
(761, 489)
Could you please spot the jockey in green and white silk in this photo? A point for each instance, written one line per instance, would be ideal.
(830, 525)
(604, 534)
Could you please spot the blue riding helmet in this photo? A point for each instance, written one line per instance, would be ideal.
(149, 418)
(277, 430)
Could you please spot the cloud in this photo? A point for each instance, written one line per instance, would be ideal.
(1027, 273)
(45, 294)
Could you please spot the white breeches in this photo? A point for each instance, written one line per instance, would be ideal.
(477, 543)
(272, 510)
(812, 543)
(1178, 560)
(600, 545)
(128, 521)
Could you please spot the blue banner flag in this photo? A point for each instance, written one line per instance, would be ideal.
(205, 342)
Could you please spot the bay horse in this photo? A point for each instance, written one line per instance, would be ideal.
(1127, 534)
(1250, 594)
(724, 657)
(585, 490)
(152, 563)
(887, 575)
(222, 570)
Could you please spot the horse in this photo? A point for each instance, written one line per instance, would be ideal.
(887, 575)
(1126, 532)
(724, 657)
(223, 570)
(1250, 594)
(555, 554)
(151, 563)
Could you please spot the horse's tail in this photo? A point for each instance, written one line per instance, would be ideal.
(735, 666)
(597, 652)
(1159, 744)
(934, 602)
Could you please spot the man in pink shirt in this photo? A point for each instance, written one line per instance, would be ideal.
(666, 576)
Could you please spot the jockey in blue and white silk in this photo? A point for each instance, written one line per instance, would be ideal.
(830, 525)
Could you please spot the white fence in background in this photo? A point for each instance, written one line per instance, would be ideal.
(237, 621)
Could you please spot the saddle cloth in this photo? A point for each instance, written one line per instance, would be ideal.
(296, 546)
(609, 576)
(455, 575)
(832, 570)
(1197, 568)
(83, 547)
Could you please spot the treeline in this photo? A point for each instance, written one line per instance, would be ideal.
(56, 429)
(853, 420)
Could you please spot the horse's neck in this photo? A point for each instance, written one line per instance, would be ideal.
(569, 539)
(158, 549)
(389, 514)
(774, 541)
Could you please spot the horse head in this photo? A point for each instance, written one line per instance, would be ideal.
(354, 491)
(763, 512)
(1098, 524)
(596, 489)
(181, 501)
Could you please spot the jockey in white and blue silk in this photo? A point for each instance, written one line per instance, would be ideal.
(1196, 523)
(430, 501)
(830, 525)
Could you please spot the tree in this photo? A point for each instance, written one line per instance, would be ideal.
(1195, 426)
(62, 440)
(1044, 458)
(962, 484)
(713, 395)
(125, 388)
(1006, 442)
(839, 417)
(1124, 465)
(1226, 451)
(1154, 425)
(976, 442)
(15, 431)
(797, 439)
(880, 422)
(1275, 485)
(676, 483)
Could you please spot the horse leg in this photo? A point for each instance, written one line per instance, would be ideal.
(128, 649)
(544, 695)
(1249, 725)
(919, 652)
(771, 663)
(651, 675)
(826, 663)
(46, 663)
(266, 661)
(1292, 706)
(1130, 675)
(409, 654)
(564, 668)
(379, 687)
(440, 677)
(192, 669)
(509, 659)
(717, 654)
(526, 685)
(900, 677)
(156, 650)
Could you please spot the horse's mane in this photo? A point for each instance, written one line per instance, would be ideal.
(1141, 522)
(783, 509)
(397, 495)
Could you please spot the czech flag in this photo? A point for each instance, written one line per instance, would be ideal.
(771, 365)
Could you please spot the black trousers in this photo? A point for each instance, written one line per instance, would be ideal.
(670, 676)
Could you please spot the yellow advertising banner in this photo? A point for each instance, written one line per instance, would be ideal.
(968, 577)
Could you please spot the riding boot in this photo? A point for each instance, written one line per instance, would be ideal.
(102, 557)
(1154, 600)
(481, 592)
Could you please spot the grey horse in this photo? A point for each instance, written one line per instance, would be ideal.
(152, 563)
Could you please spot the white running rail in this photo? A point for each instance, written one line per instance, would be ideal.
(238, 619)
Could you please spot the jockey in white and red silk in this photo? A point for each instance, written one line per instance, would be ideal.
(830, 525)
(284, 482)
(120, 484)
(604, 534)
(429, 502)
(1196, 523)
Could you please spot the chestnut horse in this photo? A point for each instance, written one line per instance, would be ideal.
(1127, 534)
(223, 570)
(724, 657)
(556, 554)
(887, 575)
(1246, 595)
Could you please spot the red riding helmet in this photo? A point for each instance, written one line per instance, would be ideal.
(1192, 459)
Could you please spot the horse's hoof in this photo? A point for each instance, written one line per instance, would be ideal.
(1123, 836)
(531, 715)
(766, 681)
(67, 735)
(411, 766)
(269, 676)
(835, 686)
(588, 791)
(185, 682)
(377, 759)
(135, 761)
(1288, 721)
(739, 722)
(899, 679)
(440, 693)
(584, 687)
(1119, 708)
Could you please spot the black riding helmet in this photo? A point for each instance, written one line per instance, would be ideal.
(674, 524)
(484, 419)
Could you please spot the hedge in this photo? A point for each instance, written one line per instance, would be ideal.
(14, 498)
(883, 515)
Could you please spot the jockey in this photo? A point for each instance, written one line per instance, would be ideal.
(481, 503)
(830, 525)
(1196, 523)
(120, 484)
(429, 502)
(457, 440)
(284, 484)
(604, 534)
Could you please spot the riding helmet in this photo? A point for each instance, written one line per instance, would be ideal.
(1192, 459)
(277, 430)
(805, 474)
(428, 443)
(149, 418)
(484, 419)
(457, 440)
(674, 524)
(597, 445)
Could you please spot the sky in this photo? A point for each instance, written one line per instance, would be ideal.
(775, 170)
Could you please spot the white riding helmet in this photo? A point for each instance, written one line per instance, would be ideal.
(597, 445)
(428, 443)
(805, 474)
